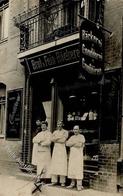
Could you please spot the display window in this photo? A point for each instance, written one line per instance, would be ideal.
(80, 102)
(111, 107)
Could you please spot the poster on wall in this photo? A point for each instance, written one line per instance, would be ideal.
(14, 114)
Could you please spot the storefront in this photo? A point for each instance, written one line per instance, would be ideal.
(57, 89)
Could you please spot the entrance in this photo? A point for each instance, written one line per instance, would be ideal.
(41, 100)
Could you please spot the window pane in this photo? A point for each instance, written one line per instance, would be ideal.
(110, 108)
(92, 10)
(5, 23)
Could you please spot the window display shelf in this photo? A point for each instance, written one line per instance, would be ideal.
(91, 143)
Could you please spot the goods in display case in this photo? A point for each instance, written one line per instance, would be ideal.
(83, 110)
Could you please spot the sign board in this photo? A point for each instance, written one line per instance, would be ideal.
(54, 59)
(91, 49)
(14, 114)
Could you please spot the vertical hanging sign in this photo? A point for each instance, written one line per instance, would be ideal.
(91, 49)
(14, 114)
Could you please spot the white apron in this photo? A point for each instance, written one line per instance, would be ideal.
(75, 164)
(43, 163)
(59, 156)
(34, 153)
(43, 139)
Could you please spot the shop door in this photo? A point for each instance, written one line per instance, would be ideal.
(41, 103)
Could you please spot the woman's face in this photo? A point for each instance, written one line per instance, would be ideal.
(76, 129)
(43, 127)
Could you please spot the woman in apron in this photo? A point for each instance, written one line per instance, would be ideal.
(43, 151)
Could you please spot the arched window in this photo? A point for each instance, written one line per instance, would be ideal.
(2, 108)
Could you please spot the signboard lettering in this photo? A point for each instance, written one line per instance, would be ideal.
(55, 58)
(91, 50)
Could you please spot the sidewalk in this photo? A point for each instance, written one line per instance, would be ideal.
(56, 191)
(13, 186)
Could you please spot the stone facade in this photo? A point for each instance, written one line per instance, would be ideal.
(11, 72)
(113, 22)
(13, 76)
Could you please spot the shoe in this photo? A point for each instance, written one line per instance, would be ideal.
(53, 184)
(62, 184)
(70, 186)
(79, 188)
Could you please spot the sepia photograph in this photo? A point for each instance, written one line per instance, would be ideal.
(61, 97)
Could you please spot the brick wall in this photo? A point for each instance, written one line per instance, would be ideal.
(106, 180)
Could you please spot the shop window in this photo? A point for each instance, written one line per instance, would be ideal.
(4, 17)
(2, 108)
(110, 107)
(2, 115)
(80, 106)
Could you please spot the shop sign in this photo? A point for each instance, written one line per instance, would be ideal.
(53, 59)
(91, 49)
(14, 114)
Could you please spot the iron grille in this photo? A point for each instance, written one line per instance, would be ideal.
(47, 23)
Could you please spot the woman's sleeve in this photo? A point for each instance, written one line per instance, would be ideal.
(83, 139)
(47, 141)
(54, 138)
(36, 139)
(70, 142)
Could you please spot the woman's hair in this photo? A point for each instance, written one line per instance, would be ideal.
(44, 122)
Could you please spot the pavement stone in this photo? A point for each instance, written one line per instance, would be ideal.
(13, 186)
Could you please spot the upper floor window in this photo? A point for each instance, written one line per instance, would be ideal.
(71, 11)
(96, 10)
(4, 16)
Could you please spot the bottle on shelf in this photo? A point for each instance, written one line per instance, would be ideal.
(77, 116)
(69, 116)
(95, 115)
(91, 115)
(73, 116)
(84, 117)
